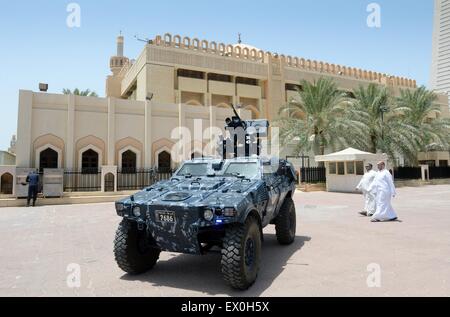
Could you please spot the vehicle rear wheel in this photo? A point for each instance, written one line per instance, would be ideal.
(133, 250)
(241, 254)
(286, 222)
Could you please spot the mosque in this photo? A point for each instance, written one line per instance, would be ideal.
(175, 82)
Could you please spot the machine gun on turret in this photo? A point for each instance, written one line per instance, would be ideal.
(244, 136)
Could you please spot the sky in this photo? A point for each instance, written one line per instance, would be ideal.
(38, 46)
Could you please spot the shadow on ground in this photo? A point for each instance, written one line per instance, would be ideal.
(202, 273)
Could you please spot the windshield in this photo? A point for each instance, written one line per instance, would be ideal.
(248, 170)
(193, 169)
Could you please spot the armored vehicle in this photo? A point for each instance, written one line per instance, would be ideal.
(212, 203)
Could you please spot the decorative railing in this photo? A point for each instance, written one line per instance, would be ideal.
(136, 179)
(407, 172)
(85, 180)
(439, 172)
(256, 55)
(313, 175)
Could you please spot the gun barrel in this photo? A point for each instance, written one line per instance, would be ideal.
(235, 112)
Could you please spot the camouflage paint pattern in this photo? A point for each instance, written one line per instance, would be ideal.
(188, 197)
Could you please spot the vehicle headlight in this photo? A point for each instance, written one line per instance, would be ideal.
(120, 207)
(229, 212)
(208, 214)
(137, 211)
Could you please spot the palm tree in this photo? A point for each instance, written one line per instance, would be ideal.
(389, 130)
(321, 118)
(77, 92)
(372, 102)
(424, 114)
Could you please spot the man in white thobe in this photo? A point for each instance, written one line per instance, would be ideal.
(369, 196)
(383, 186)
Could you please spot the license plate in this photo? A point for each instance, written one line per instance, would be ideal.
(165, 216)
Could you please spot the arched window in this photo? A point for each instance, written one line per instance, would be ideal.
(89, 162)
(254, 111)
(164, 162)
(48, 159)
(129, 162)
(6, 184)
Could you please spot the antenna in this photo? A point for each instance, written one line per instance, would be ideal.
(146, 40)
(239, 38)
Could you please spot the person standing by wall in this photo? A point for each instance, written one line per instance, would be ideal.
(33, 187)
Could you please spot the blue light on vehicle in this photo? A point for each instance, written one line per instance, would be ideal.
(219, 221)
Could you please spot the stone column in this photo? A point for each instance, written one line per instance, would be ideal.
(148, 135)
(24, 142)
(181, 117)
(70, 146)
(212, 125)
(261, 108)
(181, 125)
(212, 120)
(111, 131)
(235, 100)
(208, 99)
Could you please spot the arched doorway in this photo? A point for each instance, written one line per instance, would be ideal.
(164, 162)
(48, 159)
(89, 162)
(129, 162)
(109, 182)
(6, 184)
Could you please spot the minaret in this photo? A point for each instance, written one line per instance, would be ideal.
(120, 41)
(117, 62)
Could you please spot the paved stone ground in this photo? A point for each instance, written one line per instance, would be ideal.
(333, 249)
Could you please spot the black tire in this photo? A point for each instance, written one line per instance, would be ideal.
(286, 222)
(241, 254)
(133, 250)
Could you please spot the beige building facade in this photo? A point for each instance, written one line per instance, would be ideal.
(175, 82)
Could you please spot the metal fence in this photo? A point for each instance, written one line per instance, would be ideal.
(312, 175)
(439, 172)
(90, 180)
(86, 180)
(407, 172)
(139, 178)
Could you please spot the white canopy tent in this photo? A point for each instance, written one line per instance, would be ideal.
(346, 168)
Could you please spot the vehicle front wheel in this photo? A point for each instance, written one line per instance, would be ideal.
(286, 222)
(133, 250)
(241, 254)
